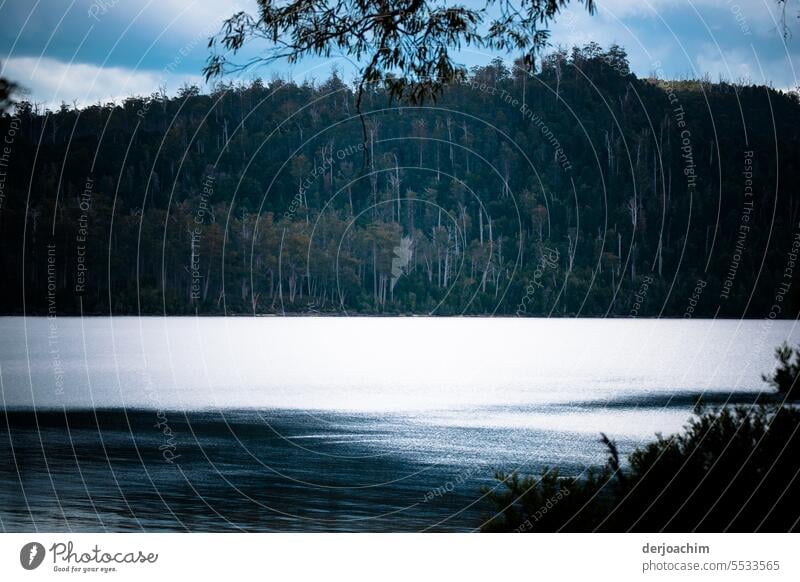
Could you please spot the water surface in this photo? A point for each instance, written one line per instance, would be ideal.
(335, 423)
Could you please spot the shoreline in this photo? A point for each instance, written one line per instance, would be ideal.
(386, 316)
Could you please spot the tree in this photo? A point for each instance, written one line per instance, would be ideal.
(469, 225)
(784, 23)
(6, 89)
(406, 44)
(784, 378)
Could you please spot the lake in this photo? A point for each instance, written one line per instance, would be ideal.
(345, 424)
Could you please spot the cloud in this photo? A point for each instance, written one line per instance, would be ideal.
(185, 19)
(688, 37)
(205, 13)
(746, 66)
(52, 81)
(147, 43)
(754, 16)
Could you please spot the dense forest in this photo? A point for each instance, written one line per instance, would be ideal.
(578, 190)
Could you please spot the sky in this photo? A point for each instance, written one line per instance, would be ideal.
(85, 51)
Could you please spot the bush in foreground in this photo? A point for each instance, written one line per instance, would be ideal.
(731, 469)
(784, 378)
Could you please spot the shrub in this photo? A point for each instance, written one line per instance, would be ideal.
(784, 378)
(731, 469)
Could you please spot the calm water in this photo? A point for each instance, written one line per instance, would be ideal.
(334, 423)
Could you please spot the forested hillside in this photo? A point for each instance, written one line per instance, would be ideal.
(580, 190)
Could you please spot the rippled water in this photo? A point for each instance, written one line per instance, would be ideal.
(334, 423)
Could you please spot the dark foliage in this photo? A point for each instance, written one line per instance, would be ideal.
(405, 45)
(560, 193)
(731, 469)
(784, 378)
(6, 89)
